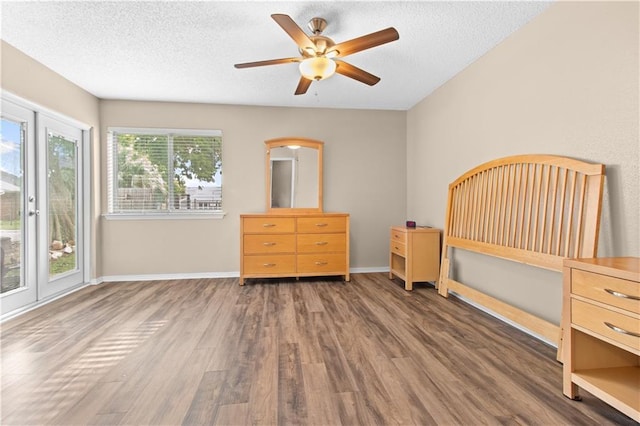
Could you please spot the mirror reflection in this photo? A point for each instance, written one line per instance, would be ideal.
(294, 178)
(294, 174)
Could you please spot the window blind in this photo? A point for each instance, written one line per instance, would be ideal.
(155, 171)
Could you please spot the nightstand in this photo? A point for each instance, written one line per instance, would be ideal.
(601, 327)
(414, 254)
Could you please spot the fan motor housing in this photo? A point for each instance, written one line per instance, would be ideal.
(323, 44)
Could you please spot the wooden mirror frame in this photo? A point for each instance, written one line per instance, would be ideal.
(285, 142)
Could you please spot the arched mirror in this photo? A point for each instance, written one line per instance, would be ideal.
(294, 174)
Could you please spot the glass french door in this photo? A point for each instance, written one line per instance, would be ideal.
(60, 192)
(17, 198)
(41, 218)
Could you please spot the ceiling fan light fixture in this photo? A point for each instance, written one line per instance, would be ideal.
(317, 52)
(317, 68)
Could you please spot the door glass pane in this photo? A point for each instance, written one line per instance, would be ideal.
(62, 191)
(11, 224)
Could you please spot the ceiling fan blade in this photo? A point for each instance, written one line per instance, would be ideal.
(365, 42)
(356, 73)
(295, 32)
(303, 85)
(268, 62)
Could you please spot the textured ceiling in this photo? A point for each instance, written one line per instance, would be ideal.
(185, 51)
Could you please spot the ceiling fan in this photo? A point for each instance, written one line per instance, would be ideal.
(320, 53)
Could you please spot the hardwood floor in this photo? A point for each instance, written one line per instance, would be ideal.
(316, 352)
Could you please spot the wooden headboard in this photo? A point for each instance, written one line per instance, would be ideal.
(532, 209)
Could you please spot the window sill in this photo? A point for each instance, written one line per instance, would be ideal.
(165, 216)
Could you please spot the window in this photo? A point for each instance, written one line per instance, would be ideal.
(164, 171)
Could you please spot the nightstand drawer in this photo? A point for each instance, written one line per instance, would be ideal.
(399, 235)
(322, 243)
(270, 243)
(398, 248)
(609, 290)
(313, 224)
(269, 264)
(623, 329)
(268, 225)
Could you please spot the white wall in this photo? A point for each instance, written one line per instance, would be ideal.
(565, 84)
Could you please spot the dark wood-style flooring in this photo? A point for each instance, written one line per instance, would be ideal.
(316, 352)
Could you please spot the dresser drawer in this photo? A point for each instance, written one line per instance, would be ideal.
(399, 248)
(322, 263)
(314, 224)
(269, 264)
(609, 290)
(268, 225)
(269, 243)
(595, 319)
(399, 235)
(322, 243)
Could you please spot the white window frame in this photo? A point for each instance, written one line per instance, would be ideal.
(162, 215)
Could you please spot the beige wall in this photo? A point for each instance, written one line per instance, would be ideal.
(364, 163)
(30, 80)
(566, 84)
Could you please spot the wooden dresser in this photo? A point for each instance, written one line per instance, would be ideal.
(294, 245)
(414, 254)
(601, 327)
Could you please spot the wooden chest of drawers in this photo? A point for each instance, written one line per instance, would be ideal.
(601, 327)
(294, 245)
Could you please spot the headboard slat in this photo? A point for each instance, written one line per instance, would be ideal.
(561, 215)
(583, 193)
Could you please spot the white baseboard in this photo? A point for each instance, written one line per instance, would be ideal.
(369, 270)
(162, 277)
(198, 275)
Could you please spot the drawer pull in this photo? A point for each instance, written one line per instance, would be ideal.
(269, 225)
(621, 330)
(268, 265)
(622, 295)
(321, 243)
(322, 263)
(321, 225)
(268, 244)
